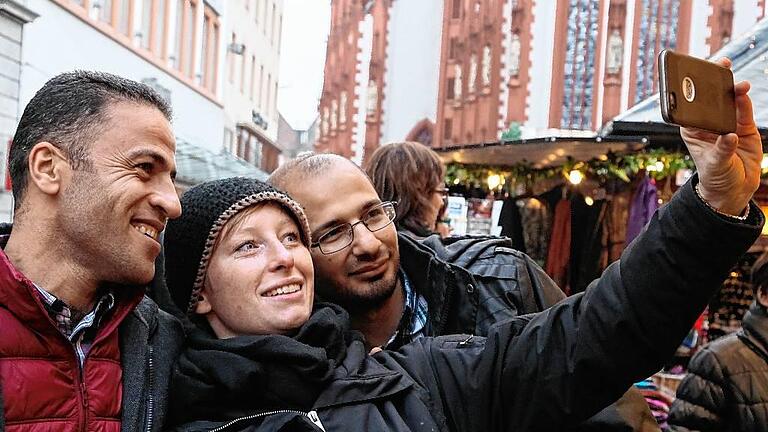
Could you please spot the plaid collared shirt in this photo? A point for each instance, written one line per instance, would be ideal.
(413, 324)
(79, 329)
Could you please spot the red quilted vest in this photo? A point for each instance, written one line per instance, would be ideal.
(43, 389)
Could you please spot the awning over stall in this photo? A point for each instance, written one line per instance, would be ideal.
(539, 152)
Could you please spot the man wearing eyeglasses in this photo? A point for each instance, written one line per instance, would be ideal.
(395, 288)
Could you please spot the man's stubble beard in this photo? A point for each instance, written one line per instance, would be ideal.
(375, 294)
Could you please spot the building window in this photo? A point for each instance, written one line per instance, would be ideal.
(228, 141)
(457, 81)
(486, 72)
(449, 89)
(513, 59)
(264, 17)
(279, 33)
(210, 51)
(146, 23)
(179, 34)
(334, 114)
(456, 10)
(248, 146)
(447, 129)
(124, 16)
(232, 55)
(242, 72)
(343, 108)
(274, 101)
(190, 27)
(186, 35)
(658, 27)
(159, 25)
(261, 87)
(105, 11)
(579, 67)
(373, 98)
(253, 76)
(452, 48)
(269, 94)
(472, 79)
(273, 28)
(154, 15)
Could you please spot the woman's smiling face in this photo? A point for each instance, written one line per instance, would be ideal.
(260, 279)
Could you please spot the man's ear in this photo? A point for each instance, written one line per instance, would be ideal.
(47, 167)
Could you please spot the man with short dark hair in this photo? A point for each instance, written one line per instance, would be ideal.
(92, 166)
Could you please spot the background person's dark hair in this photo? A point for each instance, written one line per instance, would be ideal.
(69, 111)
(409, 173)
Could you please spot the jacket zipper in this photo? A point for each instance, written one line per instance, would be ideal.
(446, 302)
(83, 399)
(312, 415)
(82, 394)
(150, 400)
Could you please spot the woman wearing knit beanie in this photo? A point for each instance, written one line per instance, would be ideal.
(261, 357)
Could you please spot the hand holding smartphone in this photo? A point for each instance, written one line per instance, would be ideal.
(696, 93)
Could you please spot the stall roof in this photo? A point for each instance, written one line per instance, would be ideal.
(540, 152)
(195, 165)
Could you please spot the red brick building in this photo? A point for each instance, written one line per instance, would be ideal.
(524, 65)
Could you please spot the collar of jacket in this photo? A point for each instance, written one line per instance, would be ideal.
(17, 294)
(324, 364)
(755, 327)
(430, 276)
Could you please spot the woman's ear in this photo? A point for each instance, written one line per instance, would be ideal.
(203, 306)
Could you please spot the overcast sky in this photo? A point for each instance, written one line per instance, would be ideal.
(302, 57)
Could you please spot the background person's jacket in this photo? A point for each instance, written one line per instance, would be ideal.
(726, 388)
(124, 383)
(532, 373)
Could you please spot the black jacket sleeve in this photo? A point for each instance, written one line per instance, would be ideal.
(558, 367)
(701, 396)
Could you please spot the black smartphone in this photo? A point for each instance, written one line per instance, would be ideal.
(696, 93)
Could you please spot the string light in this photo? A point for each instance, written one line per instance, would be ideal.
(575, 177)
(494, 180)
(764, 163)
(589, 201)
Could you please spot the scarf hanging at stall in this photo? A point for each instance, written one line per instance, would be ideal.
(536, 227)
(559, 252)
(586, 246)
(511, 223)
(615, 228)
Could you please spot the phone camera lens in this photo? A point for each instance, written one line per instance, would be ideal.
(672, 101)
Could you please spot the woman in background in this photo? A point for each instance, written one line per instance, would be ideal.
(411, 174)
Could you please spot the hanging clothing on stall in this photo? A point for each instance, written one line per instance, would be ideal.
(559, 252)
(615, 227)
(644, 203)
(586, 242)
(511, 223)
(536, 224)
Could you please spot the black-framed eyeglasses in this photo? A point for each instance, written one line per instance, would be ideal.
(341, 236)
(442, 191)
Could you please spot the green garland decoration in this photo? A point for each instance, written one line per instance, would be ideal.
(658, 163)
